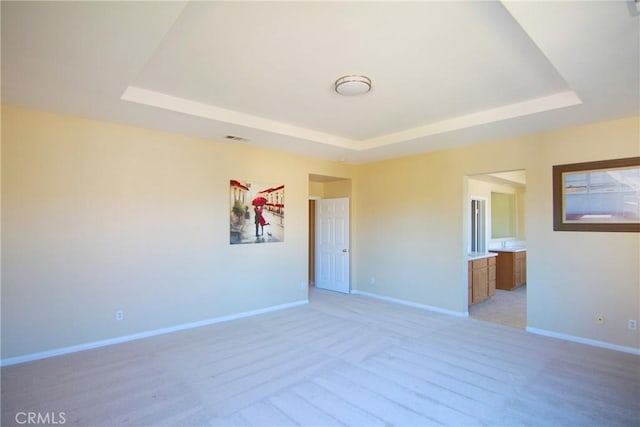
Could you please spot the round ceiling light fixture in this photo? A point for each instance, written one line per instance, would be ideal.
(353, 85)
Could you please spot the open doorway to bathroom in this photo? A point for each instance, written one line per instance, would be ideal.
(503, 226)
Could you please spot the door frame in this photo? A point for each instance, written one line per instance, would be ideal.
(467, 196)
(316, 241)
(311, 273)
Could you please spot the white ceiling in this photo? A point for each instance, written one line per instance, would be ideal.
(444, 74)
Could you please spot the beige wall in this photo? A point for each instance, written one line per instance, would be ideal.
(336, 189)
(99, 217)
(316, 190)
(584, 273)
(330, 189)
(411, 222)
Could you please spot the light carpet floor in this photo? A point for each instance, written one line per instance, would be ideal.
(341, 360)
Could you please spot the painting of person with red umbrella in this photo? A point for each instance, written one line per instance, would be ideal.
(258, 210)
(267, 203)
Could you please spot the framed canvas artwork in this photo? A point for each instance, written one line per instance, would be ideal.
(256, 212)
(597, 196)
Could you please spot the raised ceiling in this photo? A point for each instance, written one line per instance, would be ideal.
(444, 74)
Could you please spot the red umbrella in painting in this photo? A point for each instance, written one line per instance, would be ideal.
(259, 201)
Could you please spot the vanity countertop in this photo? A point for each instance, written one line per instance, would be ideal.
(507, 249)
(480, 255)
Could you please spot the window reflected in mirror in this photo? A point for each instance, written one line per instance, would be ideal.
(478, 229)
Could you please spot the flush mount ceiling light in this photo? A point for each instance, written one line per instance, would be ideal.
(353, 85)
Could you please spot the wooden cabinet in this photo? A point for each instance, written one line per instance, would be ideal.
(482, 279)
(521, 268)
(511, 269)
(470, 278)
(491, 273)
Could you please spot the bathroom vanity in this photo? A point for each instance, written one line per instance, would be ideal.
(482, 277)
(511, 267)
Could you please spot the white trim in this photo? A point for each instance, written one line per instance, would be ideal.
(504, 112)
(212, 112)
(573, 338)
(412, 304)
(486, 216)
(199, 109)
(96, 344)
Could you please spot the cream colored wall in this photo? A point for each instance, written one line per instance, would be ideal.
(410, 233)
(577, 275)
(330, 189)
(99, 217)
(408, 219)
(336, 189)
(316, 190)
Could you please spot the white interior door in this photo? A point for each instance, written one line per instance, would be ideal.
(332, 244)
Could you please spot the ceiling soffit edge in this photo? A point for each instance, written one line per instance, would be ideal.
(212, 112)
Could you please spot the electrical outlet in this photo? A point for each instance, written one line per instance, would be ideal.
(303, 285)
(372, 280)
(119, 315)
(600, 319)
(633, 324)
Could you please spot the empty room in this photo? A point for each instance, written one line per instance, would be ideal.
(230, 213)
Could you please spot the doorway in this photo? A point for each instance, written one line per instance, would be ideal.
(312, 242)
(322, 187)
(504, 233)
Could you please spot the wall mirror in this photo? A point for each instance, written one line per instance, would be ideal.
(503, 215)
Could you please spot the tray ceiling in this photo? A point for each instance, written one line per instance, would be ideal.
(444, 74)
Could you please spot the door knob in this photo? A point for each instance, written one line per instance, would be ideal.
(345, 250)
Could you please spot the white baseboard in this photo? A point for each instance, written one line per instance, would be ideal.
(412, 304)
(95, 344)
(573, 338)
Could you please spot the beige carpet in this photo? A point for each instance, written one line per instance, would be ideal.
(507, 308)
(341, 360)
